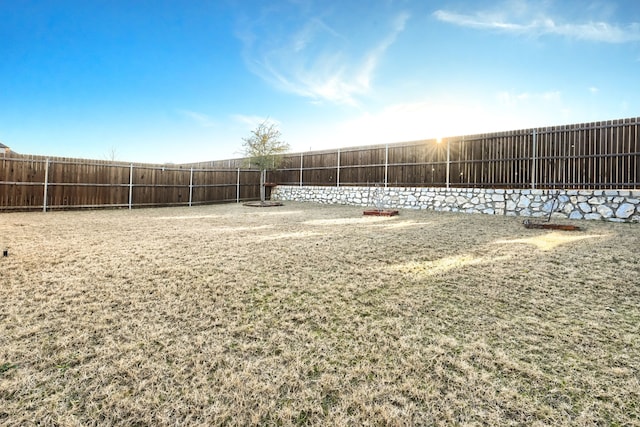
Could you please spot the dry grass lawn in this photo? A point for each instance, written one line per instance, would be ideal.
(315, 315)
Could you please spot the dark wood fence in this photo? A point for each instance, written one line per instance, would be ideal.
(597, 155)
(34, 182)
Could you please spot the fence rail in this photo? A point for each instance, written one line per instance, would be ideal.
(32, 182)
(598, 155)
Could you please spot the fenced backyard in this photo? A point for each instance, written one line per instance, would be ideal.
(315, 315)
(598, 155)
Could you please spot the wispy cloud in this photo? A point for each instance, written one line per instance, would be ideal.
(252, 121)
(526, 20)
(200, 118)
(318, 61)
(511, 99)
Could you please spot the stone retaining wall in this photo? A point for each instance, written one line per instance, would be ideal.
(608, 205)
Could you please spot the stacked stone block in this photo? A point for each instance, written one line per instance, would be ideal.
(608, 205)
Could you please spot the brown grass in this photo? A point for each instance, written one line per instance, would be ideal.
(311, 314)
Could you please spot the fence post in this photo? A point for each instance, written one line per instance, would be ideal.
(448, 163)
(301, 163)
(534, 160)
(46, 185)
(130, 185)
(386, 165)
(190, 186)
(338, 171)
(238, 187)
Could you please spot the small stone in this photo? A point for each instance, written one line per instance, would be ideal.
(524, 202)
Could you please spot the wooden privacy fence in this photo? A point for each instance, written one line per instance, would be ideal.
(28, 183)
(597, 155)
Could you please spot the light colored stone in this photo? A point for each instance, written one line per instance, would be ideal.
(604, 211)
(625, 210)
(575, 215)
(550, 205)
(584, 207)
(524, 202)
(596, 201)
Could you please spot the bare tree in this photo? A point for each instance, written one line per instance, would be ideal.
(264, 149)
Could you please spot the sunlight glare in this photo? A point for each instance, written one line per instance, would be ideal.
(547, 242)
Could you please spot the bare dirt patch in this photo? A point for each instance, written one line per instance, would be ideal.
(311, 314)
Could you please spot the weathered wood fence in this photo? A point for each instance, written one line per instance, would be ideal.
(33, 182)
(599, 155)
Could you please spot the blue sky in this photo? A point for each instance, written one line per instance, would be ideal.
(164, 81)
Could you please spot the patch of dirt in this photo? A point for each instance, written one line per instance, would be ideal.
(265, 204)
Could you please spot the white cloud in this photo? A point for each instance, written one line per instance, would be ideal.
(200, 118)
(551, 95)
(510, 99)
(252, 121)
(317, 61)
(527, 21)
